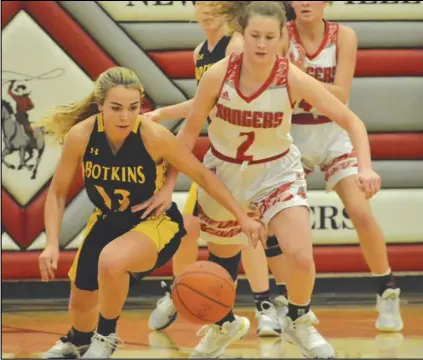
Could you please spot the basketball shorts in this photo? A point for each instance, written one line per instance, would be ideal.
(165, 230)
(262, 189)
(327, 146)
(191, 203)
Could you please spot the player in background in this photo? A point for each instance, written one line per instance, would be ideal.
(327, 51)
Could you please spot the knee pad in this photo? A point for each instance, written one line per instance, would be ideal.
(229, 264)
(273, 248)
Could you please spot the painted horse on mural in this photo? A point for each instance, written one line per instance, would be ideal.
(15, 138)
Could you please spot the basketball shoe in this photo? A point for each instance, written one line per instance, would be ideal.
(165, 313)
(281, 304)
(102, 347)
(302, 333)
(268, 323)
(65, 349)
(215, 339)
(388, 306)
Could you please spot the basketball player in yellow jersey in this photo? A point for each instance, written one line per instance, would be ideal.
(124, 163)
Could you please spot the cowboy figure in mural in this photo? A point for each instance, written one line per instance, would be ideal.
(23, 105)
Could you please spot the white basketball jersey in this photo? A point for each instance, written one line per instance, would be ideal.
(252, 128)
(321, 65)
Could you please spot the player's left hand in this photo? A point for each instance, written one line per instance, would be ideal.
(254, 230)
(298, 61)
(369, 182)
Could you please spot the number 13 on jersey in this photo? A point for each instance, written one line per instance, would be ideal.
(122, 197)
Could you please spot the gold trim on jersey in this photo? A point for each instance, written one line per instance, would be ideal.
(136, 125)
(161, 171)
(161, 168)
(191, 200)
(100, 122)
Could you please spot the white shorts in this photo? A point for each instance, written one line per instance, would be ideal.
(327, 146)
(262, 189)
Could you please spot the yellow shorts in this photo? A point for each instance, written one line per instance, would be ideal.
(190, 207)
(166, 231)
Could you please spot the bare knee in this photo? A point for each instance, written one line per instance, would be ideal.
(109, 264)
(81, 300)
(293, 232)
(301, 260)
(132, 255)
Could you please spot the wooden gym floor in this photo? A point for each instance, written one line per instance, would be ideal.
(27, 333)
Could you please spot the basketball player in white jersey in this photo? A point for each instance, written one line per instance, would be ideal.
(216, 46)
(327, 51)
(252, 152)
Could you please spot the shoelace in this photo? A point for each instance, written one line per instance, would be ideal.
(112, 340)
(211, 332)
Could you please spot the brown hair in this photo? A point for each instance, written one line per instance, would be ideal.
(238, 13)
(64, 117)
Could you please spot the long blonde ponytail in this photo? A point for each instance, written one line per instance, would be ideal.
(64, 117)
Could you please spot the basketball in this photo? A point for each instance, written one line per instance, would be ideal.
(203, 293)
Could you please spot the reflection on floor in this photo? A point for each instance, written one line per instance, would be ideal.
(350, 329)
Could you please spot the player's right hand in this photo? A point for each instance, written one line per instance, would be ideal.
(158, 203)
(254, 230)
(48, 262)
(369, 182)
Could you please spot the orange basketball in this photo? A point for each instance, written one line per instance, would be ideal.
(203, 293)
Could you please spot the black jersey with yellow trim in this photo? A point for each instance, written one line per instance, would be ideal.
(206, 59)
(116, 182)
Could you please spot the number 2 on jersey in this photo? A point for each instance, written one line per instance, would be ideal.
(243, 148)
(123, 199)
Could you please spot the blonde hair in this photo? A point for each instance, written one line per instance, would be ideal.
(64, 117)
(211, 4)
(238, 13)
